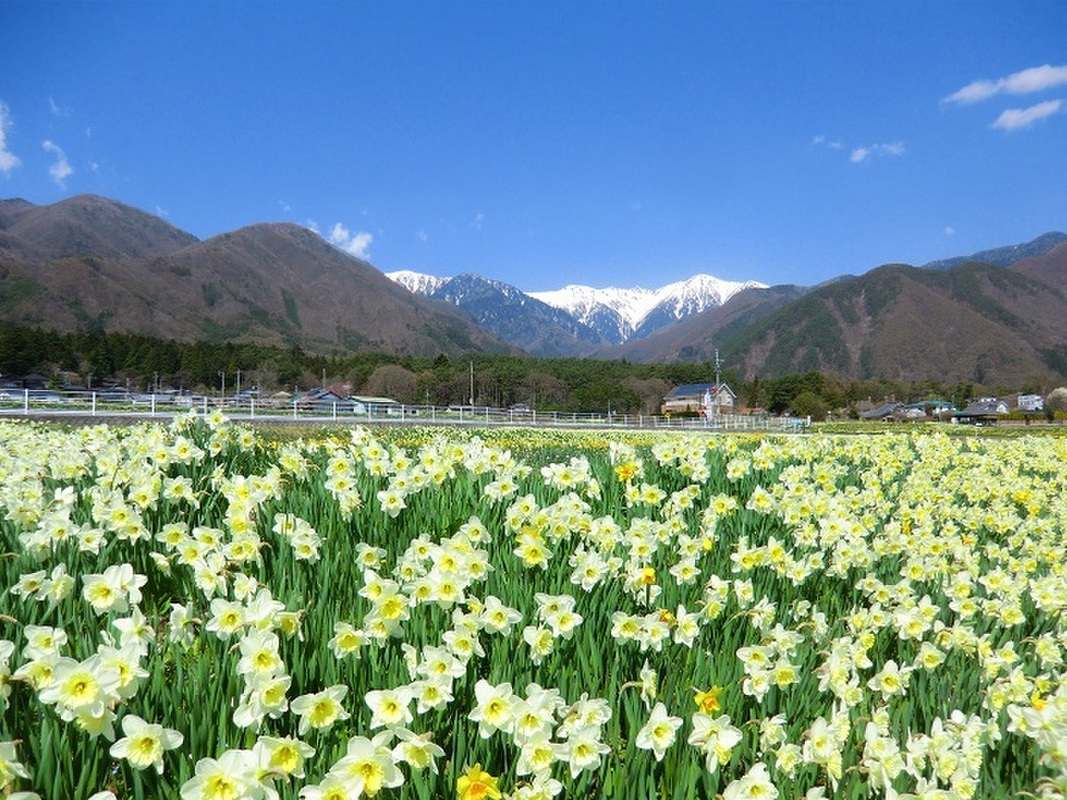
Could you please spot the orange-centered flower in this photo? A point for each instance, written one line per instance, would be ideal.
(648, 575)
(708, 701)
(476, 784)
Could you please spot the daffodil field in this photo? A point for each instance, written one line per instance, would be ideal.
(193, 610)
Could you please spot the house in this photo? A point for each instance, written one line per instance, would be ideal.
(932, 407)
(982, 412)
(323, 400)
(890, 410)
(1030, 402)
(703, 398)
(34, 380)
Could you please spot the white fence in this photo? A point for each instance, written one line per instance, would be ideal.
(74, 405)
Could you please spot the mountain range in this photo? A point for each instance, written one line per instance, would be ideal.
(574, 320)
(92, 264)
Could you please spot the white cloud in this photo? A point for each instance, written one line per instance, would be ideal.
(356, 244)
(1027, 81)
(1015, 119)
(476, 223)
(950, 231)
(422, 236)
(56, 109)
(886, 149)
(8, 160)
(823, 141)
(61, 168)
(311, 225)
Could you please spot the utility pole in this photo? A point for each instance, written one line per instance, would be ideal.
(716, 401)
(472, 383)
(222, 375)
(238, 382)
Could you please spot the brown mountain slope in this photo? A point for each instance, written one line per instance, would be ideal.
(1049, 268)
(974, 322)
(276, 284)
(88, 225)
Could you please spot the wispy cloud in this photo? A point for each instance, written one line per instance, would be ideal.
(8, 160)
(356, 244)
(1014, 119)
(860, 154)
(949, 231)
(478, 221)
(56, 109)
(1027, 81)
(61, 168)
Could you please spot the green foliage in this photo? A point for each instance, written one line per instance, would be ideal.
(809, 404)
(13, 290)
(290, 309)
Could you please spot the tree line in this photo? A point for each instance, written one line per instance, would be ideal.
(97, 359)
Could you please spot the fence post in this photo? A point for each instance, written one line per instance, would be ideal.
(94, 404)
(251, 407)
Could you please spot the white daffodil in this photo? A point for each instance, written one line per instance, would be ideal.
(659, 732)
(320, 710)
(144, 743)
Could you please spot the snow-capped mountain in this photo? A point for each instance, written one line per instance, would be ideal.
(624, 314)
(578, 317)
(417, 282)
(614, 313)
(682, 299)
(508, 313)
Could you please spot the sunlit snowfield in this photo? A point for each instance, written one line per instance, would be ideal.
(193, 611)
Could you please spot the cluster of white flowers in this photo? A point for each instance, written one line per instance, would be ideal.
(828, 584)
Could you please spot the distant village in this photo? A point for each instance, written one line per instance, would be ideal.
(712, 401)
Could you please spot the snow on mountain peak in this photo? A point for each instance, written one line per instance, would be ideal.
(617, 314)
(630, 304)
(681, 298)
(693, 295)
(417, 282)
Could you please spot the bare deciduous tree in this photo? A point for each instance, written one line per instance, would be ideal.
(393, 381)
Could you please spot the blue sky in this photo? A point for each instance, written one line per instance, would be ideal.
(605, 143)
